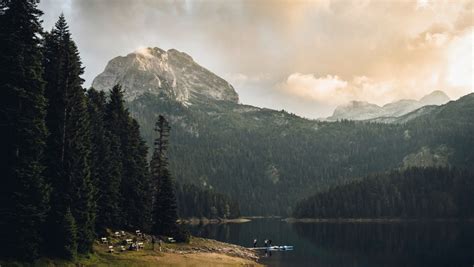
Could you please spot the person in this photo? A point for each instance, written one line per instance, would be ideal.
(159, 243)
(153, 243)
(255, 243)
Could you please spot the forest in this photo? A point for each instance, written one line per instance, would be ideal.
(73, 160)
(194, 201)
(430, 193)
(285, 158)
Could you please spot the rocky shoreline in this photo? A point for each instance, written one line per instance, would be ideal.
(203, 245)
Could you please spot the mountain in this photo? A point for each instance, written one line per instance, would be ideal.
(267, 160)
(435, 98)
(400, 107)
(171, 73)
(358, 110)
(407, 117)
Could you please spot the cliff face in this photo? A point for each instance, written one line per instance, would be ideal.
(171, 73)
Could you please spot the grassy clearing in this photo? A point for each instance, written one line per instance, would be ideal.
(198, 252)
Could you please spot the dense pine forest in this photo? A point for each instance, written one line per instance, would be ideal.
(413, 193)
(73, 161)
(285, 158)
(207, 203)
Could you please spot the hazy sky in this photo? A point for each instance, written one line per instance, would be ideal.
(302, 56)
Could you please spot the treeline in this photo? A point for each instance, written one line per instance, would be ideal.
(413, 193)
(73, 162)
(284, 158)
(197, 202)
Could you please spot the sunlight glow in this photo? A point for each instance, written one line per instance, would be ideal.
(461, 61)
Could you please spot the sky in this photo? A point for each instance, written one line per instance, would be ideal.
(305, 57)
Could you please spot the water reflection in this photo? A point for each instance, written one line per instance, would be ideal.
(218, 231)
(392, 244)
(354, 244)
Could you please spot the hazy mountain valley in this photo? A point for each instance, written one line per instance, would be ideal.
(118, 154)
(232, 147)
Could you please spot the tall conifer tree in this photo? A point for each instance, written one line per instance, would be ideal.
(24, 194)
(106, 164)
(69, 140)
(134, 182)
(137, 193)
(164, 203)
(116, 121)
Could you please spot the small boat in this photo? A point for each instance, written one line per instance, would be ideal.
(280, 248)
(274, 248)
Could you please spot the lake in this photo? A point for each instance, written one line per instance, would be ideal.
(354, 244)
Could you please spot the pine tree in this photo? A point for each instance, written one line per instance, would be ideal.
(24, 193)
(106, 164)
(69, 231)
(69, 141)
(164, 203)
(134, 181)
(137, 187)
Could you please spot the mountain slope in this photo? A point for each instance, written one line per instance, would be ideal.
(446, 112)
(412, 193)
(268, 160)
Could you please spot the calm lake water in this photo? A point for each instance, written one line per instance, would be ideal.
(354, 244)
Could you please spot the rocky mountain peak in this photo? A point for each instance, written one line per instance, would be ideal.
(172, 73)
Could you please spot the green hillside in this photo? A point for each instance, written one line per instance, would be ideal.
(414, 193)
(267, 160)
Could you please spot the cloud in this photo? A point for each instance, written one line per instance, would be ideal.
(301, 55)
(460, 72)
(333, 90)
(325, 89)
(238, 79)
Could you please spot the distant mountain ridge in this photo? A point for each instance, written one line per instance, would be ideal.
(171, 73)
(361, 110)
